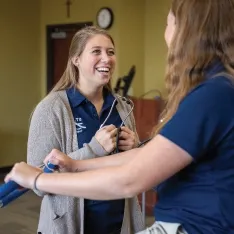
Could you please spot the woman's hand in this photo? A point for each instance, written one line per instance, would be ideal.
(23, 174)
(64, 162)
(127, 139)
(106, 136)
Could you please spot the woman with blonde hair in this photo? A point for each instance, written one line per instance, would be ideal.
(190, 160)
(80, 117)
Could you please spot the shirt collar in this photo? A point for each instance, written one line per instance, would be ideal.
(214, 68)
(108, 99)
(75, 97)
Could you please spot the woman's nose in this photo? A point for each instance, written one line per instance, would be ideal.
(105, 57)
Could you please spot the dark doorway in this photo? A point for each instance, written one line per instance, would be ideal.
(58, 41)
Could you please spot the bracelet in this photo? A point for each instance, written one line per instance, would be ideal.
(35, 181)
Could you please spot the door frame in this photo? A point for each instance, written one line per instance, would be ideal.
(49, 47)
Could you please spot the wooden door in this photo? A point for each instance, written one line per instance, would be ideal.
(61, 47)
(58, 43)
(146, 113)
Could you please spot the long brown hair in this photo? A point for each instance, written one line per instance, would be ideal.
(71, 74)
(204, 32)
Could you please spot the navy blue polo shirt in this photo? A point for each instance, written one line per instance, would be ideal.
(201, 196)
(101, 217)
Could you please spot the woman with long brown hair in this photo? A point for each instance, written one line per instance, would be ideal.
(190, 161)
(80, 117)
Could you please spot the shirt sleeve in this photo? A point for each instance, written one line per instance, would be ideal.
(201, 120)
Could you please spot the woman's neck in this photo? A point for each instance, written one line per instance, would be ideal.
(93, 94)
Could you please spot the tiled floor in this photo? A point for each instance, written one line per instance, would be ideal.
(21, 216)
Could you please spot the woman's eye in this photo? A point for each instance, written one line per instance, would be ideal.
(96, 52)
(111, 52)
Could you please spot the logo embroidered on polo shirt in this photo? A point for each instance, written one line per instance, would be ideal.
(79, 125)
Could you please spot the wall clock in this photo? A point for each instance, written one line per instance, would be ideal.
(105, 18)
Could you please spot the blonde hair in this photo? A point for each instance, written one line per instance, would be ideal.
(204, 32)
(71, 74)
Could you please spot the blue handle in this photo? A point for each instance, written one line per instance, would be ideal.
(7, 188)
(49, 168)
(10, 190)
(12, 196)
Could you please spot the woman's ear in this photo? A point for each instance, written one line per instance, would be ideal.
(75, 61)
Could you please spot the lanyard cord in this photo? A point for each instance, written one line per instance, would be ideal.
(128, 101)
(112, 106)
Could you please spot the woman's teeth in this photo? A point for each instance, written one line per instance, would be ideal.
(103, 69)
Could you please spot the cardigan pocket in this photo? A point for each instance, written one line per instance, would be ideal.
(56, 225)
(60, 224)
(53, 216)
(57, 217)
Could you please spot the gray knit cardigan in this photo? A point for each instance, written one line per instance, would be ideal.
(52, 127)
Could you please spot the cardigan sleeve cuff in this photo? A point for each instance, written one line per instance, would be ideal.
(97, 148)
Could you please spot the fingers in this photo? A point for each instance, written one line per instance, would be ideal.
(52, 157)
(107, 138)
(113, 133)
(108, 128)
(7, 177)
(124, 148)
(127, 135)
(58, 158)
(48, 158)
(23, 174)
(125, 142)
(56, 162)
(124, 135)
(113, 145)
(106, 133)
(126, 129)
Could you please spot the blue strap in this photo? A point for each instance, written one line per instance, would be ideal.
(11, 190)
(12, 196)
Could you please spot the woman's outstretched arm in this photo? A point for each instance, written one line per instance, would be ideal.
(152, 164)
(71, 165)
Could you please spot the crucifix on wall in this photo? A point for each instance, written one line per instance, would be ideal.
(68, 4)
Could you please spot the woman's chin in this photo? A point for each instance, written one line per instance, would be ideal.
(105, 79)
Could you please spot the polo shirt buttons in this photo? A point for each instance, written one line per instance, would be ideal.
(94, 112)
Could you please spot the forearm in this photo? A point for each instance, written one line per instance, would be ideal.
(107, 161)
(97, 184)
(91, 150)
(152, 164)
